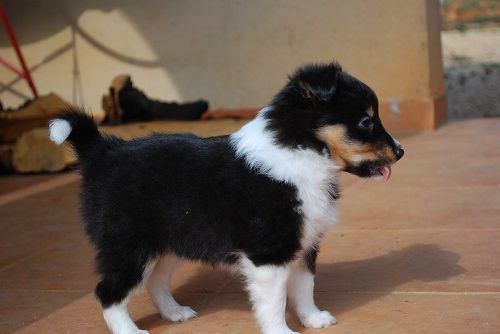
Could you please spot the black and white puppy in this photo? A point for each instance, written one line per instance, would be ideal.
(259, 200)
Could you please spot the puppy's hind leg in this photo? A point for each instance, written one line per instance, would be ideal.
(119, 280)
(158, 287)
(118, 319)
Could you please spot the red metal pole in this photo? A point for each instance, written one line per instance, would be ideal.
(12, 68)
(13, 40)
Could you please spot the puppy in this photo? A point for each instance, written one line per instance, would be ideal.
(259, 200)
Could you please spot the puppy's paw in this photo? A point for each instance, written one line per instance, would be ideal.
(182, 313)
(318, 319)
(280, 330)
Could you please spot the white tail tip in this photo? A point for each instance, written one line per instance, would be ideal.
(59, 130)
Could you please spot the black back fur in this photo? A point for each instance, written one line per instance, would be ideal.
(181, 194)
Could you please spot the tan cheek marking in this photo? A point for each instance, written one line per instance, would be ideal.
(343, 150)
(370, 112)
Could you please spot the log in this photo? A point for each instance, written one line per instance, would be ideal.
(34, 153)
(33, 115)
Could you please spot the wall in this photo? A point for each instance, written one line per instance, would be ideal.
(236, 53)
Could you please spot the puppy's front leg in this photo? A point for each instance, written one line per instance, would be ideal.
(301, 293)
(267, 288)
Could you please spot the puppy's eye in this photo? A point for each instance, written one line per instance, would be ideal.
(366, 123)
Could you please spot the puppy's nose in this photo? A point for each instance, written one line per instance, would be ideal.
(399, 152)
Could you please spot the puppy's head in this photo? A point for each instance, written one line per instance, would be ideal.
(324, 107)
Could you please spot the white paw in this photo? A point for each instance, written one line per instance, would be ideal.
(319, 319)
(142, 331)
(182, 313)
(280, 330)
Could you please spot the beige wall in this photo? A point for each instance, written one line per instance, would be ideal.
(236, 54)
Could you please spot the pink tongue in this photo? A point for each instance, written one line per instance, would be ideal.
(386, 172)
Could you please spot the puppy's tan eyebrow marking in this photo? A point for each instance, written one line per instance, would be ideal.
(370, 112)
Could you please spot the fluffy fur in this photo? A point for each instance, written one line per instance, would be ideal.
(259, 200)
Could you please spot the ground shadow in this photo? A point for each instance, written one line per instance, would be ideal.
(382, 274)
(365, 280)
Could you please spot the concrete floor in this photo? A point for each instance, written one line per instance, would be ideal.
(418, 254)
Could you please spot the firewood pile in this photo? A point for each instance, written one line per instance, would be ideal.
(24, 143)
(25, 146)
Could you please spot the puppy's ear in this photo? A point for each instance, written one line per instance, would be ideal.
(317, 82)
(316, 94)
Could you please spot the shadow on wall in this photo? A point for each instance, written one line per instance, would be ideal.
(40, 21)
(363, 281)
(170, 50)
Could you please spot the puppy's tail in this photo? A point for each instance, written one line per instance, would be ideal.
(77, 127)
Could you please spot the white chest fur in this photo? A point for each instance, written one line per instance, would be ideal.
(311, 173)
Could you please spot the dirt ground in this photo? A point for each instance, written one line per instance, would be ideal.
(472, 47)
(472, 72)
